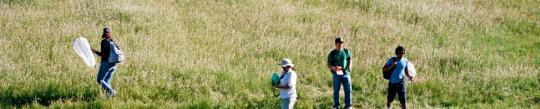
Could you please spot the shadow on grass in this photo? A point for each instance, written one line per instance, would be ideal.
(45, 94)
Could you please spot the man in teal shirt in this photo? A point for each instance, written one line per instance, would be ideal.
(339, 62)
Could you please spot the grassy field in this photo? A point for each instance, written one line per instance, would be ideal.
(220, 53)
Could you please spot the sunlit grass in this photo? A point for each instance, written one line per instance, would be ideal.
(205, 54)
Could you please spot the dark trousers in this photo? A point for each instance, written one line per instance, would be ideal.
(398, 88)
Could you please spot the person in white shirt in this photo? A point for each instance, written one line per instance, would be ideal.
(287, 84)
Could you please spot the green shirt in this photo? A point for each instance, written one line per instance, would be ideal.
(339, 58)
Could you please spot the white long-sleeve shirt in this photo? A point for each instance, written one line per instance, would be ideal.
(290, 80)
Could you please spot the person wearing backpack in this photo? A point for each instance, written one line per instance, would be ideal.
(287, 84)
(339, 63)
(395, 69)
(109, 51)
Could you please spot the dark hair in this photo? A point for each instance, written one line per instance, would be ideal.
(399, 49)
(106, 31)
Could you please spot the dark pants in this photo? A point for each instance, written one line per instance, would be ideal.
(398, 88)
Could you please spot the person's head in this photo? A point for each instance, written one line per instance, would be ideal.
(400, 52)
(339, 43)
(106, 33)
(286, 64)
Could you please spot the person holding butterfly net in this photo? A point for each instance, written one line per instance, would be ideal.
(110, 57)
(395, 70)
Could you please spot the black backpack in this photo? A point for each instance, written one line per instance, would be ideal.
(387, 74)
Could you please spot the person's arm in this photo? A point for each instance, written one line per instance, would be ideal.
(328, 61)
(407, 72)
(389, 65)
(104, 47)
(408, 75)
(286, 86)
(283, 87)
(96, 52)
(349, 57)
(290, 81)
(348, 65)
(332, 68)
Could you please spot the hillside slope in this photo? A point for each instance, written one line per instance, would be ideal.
(203, 54)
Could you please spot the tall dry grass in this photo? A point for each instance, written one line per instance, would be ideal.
(205, 54)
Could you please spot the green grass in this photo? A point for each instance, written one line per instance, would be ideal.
(220, 54)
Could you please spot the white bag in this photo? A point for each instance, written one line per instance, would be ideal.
(411, 69)
(82, 48)
(116, 55)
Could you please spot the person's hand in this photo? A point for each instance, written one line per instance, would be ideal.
(333, 68)
(94, 50)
